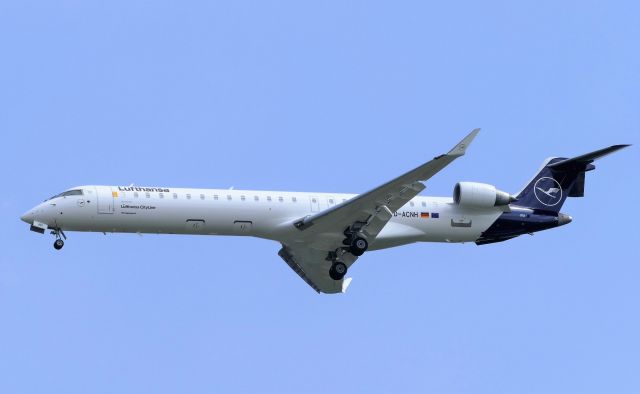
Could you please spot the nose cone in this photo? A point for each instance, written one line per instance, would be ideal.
(564, 219)
(27, 217)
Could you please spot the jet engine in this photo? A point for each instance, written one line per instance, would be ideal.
(480, 195)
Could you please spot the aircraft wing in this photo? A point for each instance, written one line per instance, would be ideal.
(374, 208)
(313, 267)
(369, 212)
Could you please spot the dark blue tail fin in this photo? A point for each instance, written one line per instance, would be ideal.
(558, 179)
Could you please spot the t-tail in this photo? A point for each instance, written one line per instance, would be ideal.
(537, 206)
(558, 179)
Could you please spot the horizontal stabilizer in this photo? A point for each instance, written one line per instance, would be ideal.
(580, 162)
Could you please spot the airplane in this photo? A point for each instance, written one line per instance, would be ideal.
(323, 234)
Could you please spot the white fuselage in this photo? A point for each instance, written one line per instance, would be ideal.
(264, 214)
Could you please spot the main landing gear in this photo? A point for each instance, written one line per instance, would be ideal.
(59, 234)
(338, 270)
(355, 244)
(358, 246)
(355, 241)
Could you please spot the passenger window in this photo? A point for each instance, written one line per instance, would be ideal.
(268, 198)
(147, 194)
(256, 198)
(215, 197)
(411, 203)
(424, 204)
(135, 195)
(202, 196)
(242, 198)
(175, 196)
(294, 199)
(229, 197)
(188, 196)
(280, 199)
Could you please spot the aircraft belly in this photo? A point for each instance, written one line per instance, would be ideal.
(396, 234)
(450, 224)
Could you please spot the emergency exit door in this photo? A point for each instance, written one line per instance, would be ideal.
(105, 197)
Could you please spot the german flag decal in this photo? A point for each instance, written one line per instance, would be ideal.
(424, 215)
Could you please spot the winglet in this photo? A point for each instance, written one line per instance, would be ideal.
(345, 284)
(462, 146)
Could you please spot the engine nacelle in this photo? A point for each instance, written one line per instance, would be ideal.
(480, 195)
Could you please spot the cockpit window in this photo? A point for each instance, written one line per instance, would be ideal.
(76, 192)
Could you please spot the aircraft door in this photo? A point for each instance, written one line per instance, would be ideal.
(105, 199)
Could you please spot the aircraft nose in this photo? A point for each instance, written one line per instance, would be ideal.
(27, 217)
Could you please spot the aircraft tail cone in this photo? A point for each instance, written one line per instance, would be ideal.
(564, 219)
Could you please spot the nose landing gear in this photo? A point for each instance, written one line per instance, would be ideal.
(59, 234)
(58, 244)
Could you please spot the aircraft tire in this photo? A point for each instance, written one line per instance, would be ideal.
(338, 270)
(58, 244)
(358, 246)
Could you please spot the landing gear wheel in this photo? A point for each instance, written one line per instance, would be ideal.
(338, 270)
(58, 244)
(358, 246)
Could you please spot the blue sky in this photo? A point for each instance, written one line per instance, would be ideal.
(317, 96)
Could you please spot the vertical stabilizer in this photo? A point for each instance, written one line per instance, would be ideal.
(558, 179)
